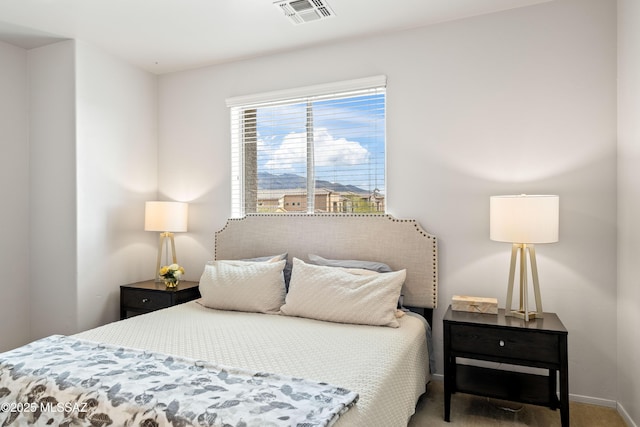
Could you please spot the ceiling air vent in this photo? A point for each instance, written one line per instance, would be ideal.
(303, 11)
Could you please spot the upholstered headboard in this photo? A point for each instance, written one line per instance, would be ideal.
(400, 243)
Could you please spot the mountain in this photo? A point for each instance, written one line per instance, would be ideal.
(288, 181)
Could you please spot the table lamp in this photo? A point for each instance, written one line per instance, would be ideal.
(524, 220)
(167, 218)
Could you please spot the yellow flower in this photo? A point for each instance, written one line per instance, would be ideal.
(171, 272)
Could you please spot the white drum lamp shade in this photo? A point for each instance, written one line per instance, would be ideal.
(166, 216)
(524, 219)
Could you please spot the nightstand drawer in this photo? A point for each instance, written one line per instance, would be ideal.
(145, 300)
(504, 343)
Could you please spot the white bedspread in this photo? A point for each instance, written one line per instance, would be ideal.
(387, 367)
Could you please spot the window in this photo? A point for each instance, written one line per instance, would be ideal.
(314, 149)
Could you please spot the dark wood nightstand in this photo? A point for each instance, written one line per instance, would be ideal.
(540, 343)
(144, 297)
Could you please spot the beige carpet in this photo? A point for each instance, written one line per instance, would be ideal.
(467, 410)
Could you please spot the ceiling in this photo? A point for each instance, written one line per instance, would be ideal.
(163, 36)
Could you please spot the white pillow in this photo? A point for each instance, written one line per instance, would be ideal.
(243, 286)
(366, 272)
(335, 295)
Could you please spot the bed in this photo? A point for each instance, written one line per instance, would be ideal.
(375, 373)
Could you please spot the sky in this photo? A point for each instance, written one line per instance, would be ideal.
(349, 139)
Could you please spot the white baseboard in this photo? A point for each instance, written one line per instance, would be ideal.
(593, 400)
(625, 416)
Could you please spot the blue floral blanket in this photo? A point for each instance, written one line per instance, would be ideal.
(63, 381)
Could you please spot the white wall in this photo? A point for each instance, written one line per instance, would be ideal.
(629, 209)
(93, 164)
(116, 172)
(518, 101)
(14, 187)
(52, 189)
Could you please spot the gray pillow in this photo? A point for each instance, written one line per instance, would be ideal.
(272, 258)
(350, 263)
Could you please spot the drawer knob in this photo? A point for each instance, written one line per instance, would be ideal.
(145, 300)
(501, 343)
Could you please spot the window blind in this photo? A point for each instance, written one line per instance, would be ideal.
(320, 152)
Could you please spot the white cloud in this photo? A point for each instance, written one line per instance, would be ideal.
(328, 151)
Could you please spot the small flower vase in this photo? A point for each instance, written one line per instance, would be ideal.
(171, 283)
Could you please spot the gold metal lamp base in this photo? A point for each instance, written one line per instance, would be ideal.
(165, 239)
(525, 315)
(523, 311)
